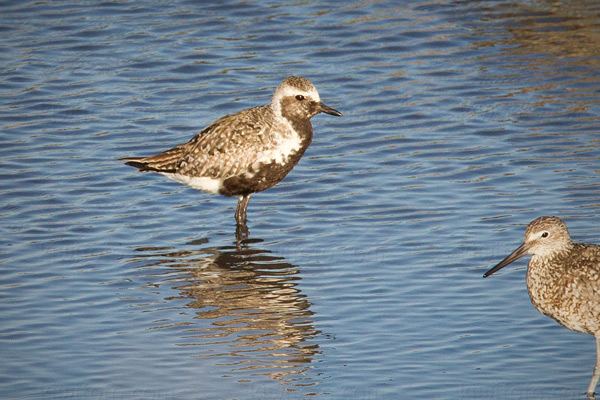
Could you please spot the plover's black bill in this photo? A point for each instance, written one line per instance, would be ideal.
(328, 110)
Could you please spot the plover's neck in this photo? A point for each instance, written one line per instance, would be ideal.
(286, 126)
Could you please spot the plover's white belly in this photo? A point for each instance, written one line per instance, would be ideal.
(210, 185)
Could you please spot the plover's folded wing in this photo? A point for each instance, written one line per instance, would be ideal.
(229, 145)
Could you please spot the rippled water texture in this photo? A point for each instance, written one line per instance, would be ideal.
(361, 275)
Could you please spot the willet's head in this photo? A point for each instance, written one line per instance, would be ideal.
(544, 237)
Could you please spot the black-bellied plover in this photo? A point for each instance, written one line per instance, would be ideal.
(563, 279)
(246, 152)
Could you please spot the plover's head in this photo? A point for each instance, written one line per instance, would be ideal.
(544, 237)
(297, 98)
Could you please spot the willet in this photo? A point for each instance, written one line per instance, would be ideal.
(563, 279)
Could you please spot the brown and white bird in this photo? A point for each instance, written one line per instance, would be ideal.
(246, 152)
(563, 279)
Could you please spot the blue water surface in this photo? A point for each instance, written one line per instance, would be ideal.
(361, 275)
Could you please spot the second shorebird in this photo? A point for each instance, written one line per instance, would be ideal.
(246, 152)
(563, 279)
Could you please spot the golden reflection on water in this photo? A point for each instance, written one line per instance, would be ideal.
(563, 29)
(248, 303)
(547, 52)
(545, 32)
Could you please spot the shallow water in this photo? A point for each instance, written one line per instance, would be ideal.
(361, 275)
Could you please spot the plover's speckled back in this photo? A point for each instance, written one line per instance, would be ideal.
(563, 279)
(246, 152)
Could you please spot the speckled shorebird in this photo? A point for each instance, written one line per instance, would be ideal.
(563, 279)
(246, 152)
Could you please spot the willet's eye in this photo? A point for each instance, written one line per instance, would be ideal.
(299, 97)
(545, 234)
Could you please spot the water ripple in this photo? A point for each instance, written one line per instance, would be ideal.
(361, 275)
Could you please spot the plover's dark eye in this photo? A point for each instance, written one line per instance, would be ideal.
(299, 97)
(545, 234)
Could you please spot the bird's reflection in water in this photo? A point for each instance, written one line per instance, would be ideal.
(250, 299)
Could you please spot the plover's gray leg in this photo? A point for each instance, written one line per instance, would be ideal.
(240, 211)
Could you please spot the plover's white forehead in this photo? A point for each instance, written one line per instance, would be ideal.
(296, 85)
(287, 91)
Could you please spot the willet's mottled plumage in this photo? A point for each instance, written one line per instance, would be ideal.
(563, 279)
(246, 152)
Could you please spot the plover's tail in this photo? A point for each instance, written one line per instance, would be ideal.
(139, 163)
(165, 162)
